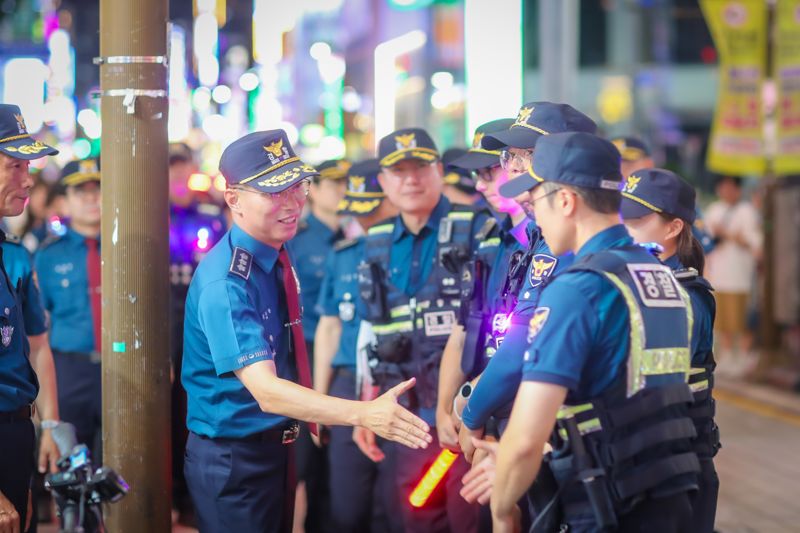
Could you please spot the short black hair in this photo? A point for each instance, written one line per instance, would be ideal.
(601, 200)
(735, 180)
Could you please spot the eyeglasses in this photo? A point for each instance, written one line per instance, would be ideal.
(485, 174)
(297, 192)
(532, 201)
(508, 158)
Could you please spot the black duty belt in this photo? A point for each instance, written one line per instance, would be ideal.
(285, 435)
(23, 413)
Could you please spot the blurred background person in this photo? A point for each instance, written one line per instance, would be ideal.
(735, 224)
(459, 186)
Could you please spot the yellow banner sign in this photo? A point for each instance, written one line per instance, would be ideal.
(787, 81)
(739, 29)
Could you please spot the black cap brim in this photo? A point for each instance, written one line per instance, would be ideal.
(476, 160)
(514, 187)
(27, 149)
(516, 137)
(631, 209)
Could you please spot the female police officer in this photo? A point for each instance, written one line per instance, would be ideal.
(658, 206)
(244, 350)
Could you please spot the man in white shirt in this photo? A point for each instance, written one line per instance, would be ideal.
(736, 226)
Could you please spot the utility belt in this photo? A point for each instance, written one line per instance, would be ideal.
(284, 434)
(93, 356)
(25, 412)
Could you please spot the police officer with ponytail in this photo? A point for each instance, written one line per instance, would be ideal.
(659, 206)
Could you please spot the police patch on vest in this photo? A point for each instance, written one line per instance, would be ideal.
(241, 263)
(439, 323)
(542, 266)
(656, 285)
(6, 332)
(537, 322)
(347, 310)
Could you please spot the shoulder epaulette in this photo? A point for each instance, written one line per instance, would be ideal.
(241, 263)
(686, 274)
(343, 244)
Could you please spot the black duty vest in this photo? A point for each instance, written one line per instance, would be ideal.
(412, 331)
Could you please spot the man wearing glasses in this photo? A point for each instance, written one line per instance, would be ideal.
(409, 284)
(492, 396)
(246, 370)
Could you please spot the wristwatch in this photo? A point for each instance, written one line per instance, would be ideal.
(463, 394)
(50, 424)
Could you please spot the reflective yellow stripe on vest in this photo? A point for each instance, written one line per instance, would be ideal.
(644, 362)
(494, 241)
(383, 228)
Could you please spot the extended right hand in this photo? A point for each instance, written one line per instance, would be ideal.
(9, 517)
(388, 419)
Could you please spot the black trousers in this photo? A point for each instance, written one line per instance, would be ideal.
(80, 398)
(17, 463)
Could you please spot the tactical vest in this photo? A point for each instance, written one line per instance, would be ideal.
(701, 381)
(634, 441)
(412, 331)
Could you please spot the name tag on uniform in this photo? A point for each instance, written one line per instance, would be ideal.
(439, 323)
(656, 285)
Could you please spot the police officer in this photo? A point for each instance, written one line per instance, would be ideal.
(309, 249)
(636, 155)
(607, 363)
(659, 206)
(489, 401)
(68, 268)
(473, 341)
(409, 283)
(244, 352)
(18, 382)
(360, 487)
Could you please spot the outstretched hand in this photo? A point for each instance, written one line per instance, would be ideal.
(385, 417)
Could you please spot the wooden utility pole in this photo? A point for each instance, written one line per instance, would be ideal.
(135, 253)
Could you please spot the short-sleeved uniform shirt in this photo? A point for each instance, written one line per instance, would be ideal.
(309, 250)
(236, 315)
(581, 338)
(339, 297)
(61, 268)
(19, 267)
(18, 383)
(500, 380)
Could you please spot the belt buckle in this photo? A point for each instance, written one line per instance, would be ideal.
(291, 433)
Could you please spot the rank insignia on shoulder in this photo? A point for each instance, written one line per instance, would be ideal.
(241, 263)
(537, 322)
(542, 266)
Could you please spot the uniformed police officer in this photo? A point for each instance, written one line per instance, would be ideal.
(68, 269)
(309, 249)
(659, 206)
(410, 286)
(18, 382)
(607, 363)
(472, 342)
(636, 155)
(491, 397)
(361, 488)
(459, 184)
(244, 351)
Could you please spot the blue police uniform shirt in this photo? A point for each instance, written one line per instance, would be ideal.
(64, 283)
(309, 250)
(412, 256)
(339, 297)
(583, 342)
(236, 315)
(509, 243)
(495, 392)
(18, 383)
(703, 326)
(19, 267)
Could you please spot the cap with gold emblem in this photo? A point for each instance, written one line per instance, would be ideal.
(265, 161)
(364, 194)
(477, 157)
(631, 148)
(536, 119)
(15, 140)
(77, 173)
(407, 143)
(334, 169)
